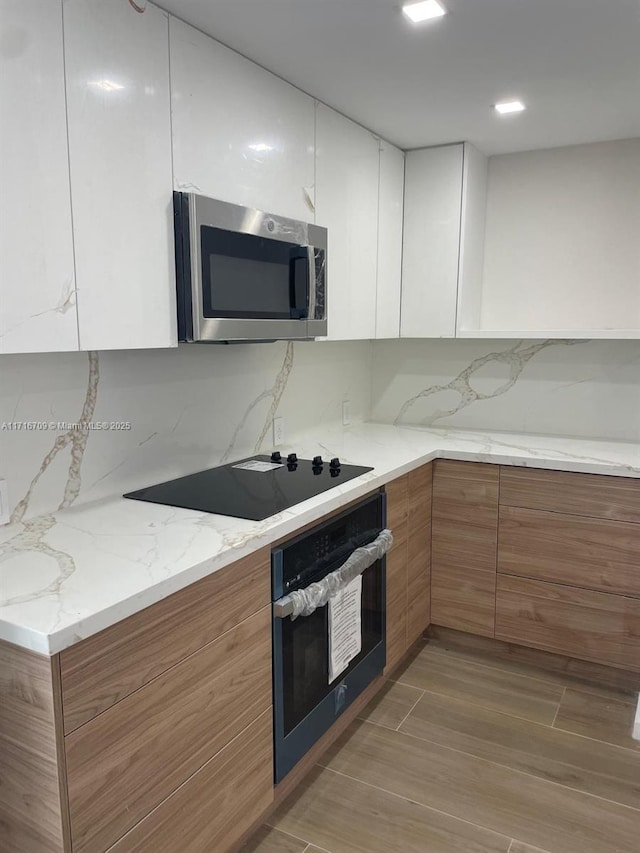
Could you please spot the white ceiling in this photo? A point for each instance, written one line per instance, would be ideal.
(575, 63)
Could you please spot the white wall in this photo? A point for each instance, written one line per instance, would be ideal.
(562, 238)
(586, 389)
(189, 408)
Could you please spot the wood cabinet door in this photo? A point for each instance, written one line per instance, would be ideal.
(419, 553)
(37, 277)
(464, 546)
(347, 168)
(119, 121)
(398, 522)
(240, 134)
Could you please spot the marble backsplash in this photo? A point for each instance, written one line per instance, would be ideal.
(587, 389)
(195, 407)
(189, 408)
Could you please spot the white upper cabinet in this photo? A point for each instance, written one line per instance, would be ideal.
(347, 167)
(444, 194)
(240, 134)
(390, 212)
(117, 67)
(37, 284)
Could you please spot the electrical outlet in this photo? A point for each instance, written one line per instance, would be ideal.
(346, 413)
(278, 431)
(4, 502)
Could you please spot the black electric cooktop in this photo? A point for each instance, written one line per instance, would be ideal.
(252, 488)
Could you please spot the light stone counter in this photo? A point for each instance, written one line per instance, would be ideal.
(68, 575)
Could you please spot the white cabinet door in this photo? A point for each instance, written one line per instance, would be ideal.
(117, 65)
(37, 284)
(390, 213)
(432, 207)
(240, 134)
(347, 167)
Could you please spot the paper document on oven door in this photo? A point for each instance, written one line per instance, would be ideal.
(345, 627)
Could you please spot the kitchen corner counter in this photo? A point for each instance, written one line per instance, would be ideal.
(68, 575)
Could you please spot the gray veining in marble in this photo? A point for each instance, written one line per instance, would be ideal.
(275, 393)
(516, 357)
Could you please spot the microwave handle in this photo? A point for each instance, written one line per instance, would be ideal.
(299, 283)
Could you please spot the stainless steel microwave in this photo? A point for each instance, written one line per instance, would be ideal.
(246, 275)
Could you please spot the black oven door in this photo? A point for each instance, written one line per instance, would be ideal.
(306, 702)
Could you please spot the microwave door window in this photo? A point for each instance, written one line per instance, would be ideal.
(245, 276)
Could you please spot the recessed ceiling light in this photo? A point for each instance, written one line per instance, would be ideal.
(509, 107)
(424, 10)
(261, 146)
(106, 85)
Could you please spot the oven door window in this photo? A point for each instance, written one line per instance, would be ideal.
(305, 651)
(244, 275)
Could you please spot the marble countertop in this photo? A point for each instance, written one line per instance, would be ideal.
(68, 575)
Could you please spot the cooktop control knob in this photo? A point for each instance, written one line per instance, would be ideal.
(276, 457)
(292, 458)
(317, 462)
(335, 463)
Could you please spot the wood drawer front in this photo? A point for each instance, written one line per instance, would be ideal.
(396, 583)
(465, 515)
(216, 805)
(103, 669)
(122, 764)
(580, 623)
(586, 552)
(593, 495)
(465, 599)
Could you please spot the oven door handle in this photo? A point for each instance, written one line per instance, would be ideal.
(302, 602)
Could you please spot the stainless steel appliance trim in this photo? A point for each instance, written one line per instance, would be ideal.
(232, 217)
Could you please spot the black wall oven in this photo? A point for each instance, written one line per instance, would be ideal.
(307, 697)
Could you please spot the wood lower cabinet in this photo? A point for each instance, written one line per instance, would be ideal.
(408, 561)
(590, 495)
(464, 545)
(419, 553)
(233, 789)
(580, 623)
(547, 559)
(103, 669)
(593, 553)
(126, 761)
(32, 802)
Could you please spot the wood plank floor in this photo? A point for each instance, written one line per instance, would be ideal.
(462, 753)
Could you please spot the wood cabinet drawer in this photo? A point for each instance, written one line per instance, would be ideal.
(123, 763)
(577, 494)
(580, 623)
(216, 805)
(587, 552)
(103, 669)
